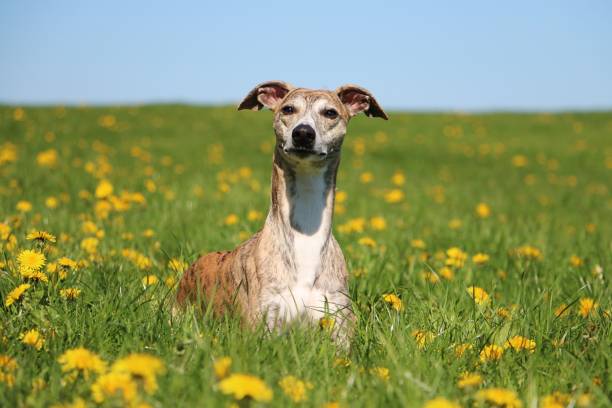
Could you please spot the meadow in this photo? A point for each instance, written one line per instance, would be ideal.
(479, 247)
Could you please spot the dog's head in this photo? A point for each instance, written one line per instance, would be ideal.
(310, 124)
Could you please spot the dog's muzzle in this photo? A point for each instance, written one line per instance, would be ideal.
(303, 137)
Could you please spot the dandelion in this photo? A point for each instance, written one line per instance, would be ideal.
(367, 241)
(42, 237)
(468, 380)
(528, 252)
(104, 189)
(150, 280)
(70, 293)
(148, 233)
(418, 244)
(491, 352)
(423, 337)
(90, 245)
(381, 372)
(480, 258)
(447, 273)
(295, 388)
(231, 219)
(51, 202)
(82, 361)
(519, 160)
(36, 276)
(586, 307)
(518, 343)
(394, 301)
(177, 265)
(245, 386)
(378, 223)
(16, 294)
(30, 260)
(327, 323)
(483, 210)
(114, 384)
(47, 158)
(342, 362)
(499, 397)
(478, 294)
(441, 402)
(23, 206)
(66, 263)
(254, 215)
(366, 177)
(455, 257)
(460, 349)
(33, 338)
(222, 366)
(555, 400)
(394, 196)
(7, 366)
(141, 367)
(455, 223)
(576, 261)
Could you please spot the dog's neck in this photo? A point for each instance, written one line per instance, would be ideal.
(300, 216)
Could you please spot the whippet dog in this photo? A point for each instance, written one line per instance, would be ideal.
(293, 268)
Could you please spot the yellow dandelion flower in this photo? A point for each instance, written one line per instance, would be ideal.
(367, 241)
(528, 252)
(150, 280)
(341, 197)
(378, 223)
(499, 397)
(82, 360)
(327, 323)
(222, 366)
(37, 276)
(47, 158)
(254, 215)
(140, 366)
(455, 223)
(576, 261)
(381, 372)
(51, 202)
(16, 294)
(483, 210)
(66, 263)
(418, 244)
(455, 257)
(70, 293)
(398, 178)
(555, 400)
(148, 233)
(30, 260)
(366, 177)
(394, 196)
(23, 206)
(491, 352)
(231, 219)
(41, 236)
(169, 281)
(295, 388)
(423, 338)
(90, 245)
(447, 273)
(177, 265)
(562, 310)
(244, 385)
(468, 380)
(587, 306)
(114, 384)
(460, 349)
(104, 189)
(441, 402)
(394, 301)
(33, 338)
(479, 295)
(518, 343)
(480, 259)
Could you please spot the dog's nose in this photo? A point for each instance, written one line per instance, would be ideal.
(303, 137)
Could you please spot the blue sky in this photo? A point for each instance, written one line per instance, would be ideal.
(428, 55)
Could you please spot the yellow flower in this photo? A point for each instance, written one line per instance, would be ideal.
(221, 366)
(380, 372)
(341, 196)
(518, 343)
(7, 366)
(254, 215)
(51, 202)
(478, 294)
(491, 352)
(562, 310)
(366, 177)
(16, 294)
(555, 400)
(460, 349)
(332, 404)
(394, 196)
(576, 261)
(82, 360)
(499, 397)
(483, 210)
(148, 233)
(455, 223)
(37, 276)
(342, 362)
(327, 323)
(244, 385)
(394, 301)
(23, 206)
(455, 257)
(76, 403)
(367, 241)
(586, 307)
(423, 337)
(177, 265)
(528, 252)
(468, 380)
(480, 259)
(231, 219)
(30, 260)
(398, 178)
(150, 280)
(114, 384)
(70, 293)
(519, 160)
(447, 273)
(66, 263)
(47, 158)
(90, 245)
(295, 388)
(5, 231)
(104, 189)
(441, 402)
(418, 244)
(141, 367)
(41, 236)
(378, 223)
(33, 338)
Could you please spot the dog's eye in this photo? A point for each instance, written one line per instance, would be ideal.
(288, 109)
(330, 113)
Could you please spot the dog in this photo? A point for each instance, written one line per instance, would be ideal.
(293, 268)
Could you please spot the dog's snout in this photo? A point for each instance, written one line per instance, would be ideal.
(303, 137)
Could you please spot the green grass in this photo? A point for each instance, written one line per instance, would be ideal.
(558, 202)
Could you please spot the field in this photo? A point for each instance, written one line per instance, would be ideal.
(479, 248)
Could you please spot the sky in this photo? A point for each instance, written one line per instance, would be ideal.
(426, 55)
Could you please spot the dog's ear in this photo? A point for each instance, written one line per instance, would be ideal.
(357, 99)
(267, 94)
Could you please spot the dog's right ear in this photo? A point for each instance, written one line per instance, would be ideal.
(267, 94)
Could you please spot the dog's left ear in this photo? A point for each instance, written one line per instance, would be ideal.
(267, 94)
(357, 99)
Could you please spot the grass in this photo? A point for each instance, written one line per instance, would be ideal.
(545, 180)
